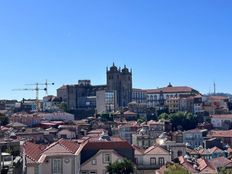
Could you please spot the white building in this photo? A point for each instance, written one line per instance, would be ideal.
(160, 95)
(106, 101)
(63, 116)
(222, 121)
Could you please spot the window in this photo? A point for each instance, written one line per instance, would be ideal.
(57, 166)
(92, 172)
(36, 170)
(136, 160)
(152, 161)
(94, 162)
(106, 158)
(84, 172)
(161, 161)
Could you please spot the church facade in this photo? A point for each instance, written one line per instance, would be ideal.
(120, 80)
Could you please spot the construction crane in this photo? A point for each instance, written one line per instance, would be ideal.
(36, 89)
(46, 84)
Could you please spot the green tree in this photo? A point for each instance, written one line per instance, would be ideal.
(121, 167)
(140, 120)
(183, 119)
(180, 120)
(164, 116)
(4, 120)
(223, 170)
(175, 169)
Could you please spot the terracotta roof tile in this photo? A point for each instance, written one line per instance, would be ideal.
(222, 116)
(221, 162)
(175, 89)
(221, 134)
(156, 150)
(138, 150)
(33, 151)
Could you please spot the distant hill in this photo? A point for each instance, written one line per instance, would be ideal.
(220, 94)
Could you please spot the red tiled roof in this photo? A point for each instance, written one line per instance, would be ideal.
(33, 151)
(175, 89)
(71, 146)
(221, 162)
(138, 150)
(218, 97)
(229, 150)
(129, 113)
(203, 164)
(222, 116)
(187, 165)
(221, 134)
(156, 150)
(210, 151)
(152, 122)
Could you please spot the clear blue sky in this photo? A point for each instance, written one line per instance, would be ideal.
(186, 42)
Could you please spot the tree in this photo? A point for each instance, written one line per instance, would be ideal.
(121, 167)
(4, 120)
(164, 116)
(180, 120)
(175, 169)
(223, 170)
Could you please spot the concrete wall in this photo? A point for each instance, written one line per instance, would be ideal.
(68, 165)
(100, 167)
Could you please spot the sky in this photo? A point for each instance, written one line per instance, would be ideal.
(187, 43)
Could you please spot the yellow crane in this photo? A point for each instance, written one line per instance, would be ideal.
(46, 84)
(36, 89)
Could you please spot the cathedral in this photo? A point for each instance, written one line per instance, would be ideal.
(120, 80)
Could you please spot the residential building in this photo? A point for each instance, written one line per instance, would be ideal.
(51, 103)
(36, 118)
(216, 104)
(176, 149)
(147, 160)
(106, 101)
(99, 152)
(225, 136)
(139, 108)
(139, 96)
(147, 135)
(212, 142)
(26, 119)
(57, 116)
(66, 134)
(173, 104)
(200, 166)
(177, 136)
(191, 104)
(130, 116)
(60, 157)
(194, 138)
(223, 121)
(126, 131)
(212, 153)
